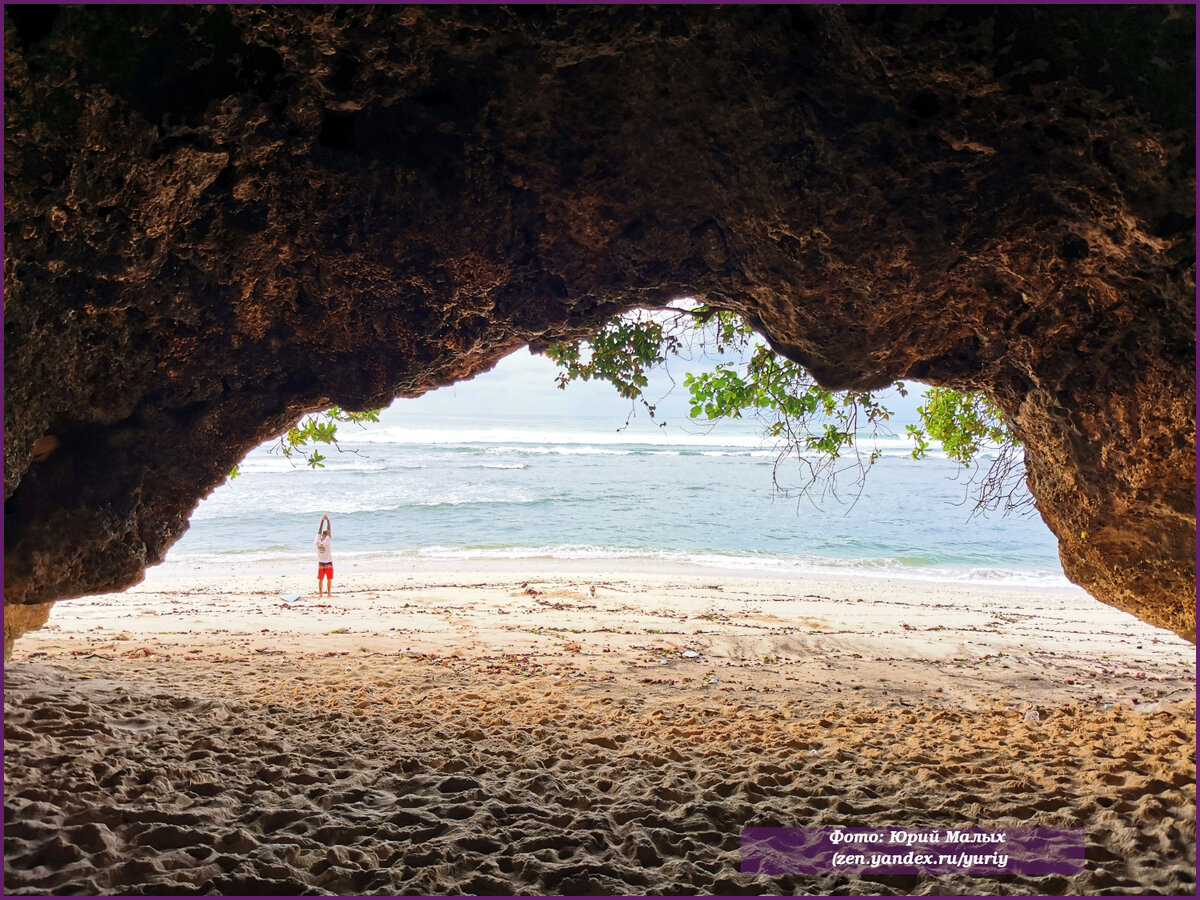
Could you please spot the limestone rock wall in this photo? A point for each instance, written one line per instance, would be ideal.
(219, 218)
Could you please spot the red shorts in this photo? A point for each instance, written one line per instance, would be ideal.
(324, 570)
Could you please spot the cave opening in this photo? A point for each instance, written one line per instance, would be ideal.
(507, 473)
(516, 648)
(218, 218)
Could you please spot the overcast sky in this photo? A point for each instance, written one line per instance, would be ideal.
(523, 385)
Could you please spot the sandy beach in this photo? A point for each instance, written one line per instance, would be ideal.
(549, 727)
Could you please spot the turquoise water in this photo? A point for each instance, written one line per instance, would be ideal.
(446, 487)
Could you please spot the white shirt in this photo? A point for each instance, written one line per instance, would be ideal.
(324, 548)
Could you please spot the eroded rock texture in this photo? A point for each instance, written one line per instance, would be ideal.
(220, 218)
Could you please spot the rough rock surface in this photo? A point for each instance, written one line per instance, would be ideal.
(219, 218)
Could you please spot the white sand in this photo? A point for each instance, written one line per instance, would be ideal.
(495, 728)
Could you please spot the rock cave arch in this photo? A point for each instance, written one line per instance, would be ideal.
(220, 218)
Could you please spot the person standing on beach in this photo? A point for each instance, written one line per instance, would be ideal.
(325, 555)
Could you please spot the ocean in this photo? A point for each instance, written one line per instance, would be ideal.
(445, 487)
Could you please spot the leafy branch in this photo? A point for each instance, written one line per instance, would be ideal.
(818, 428)
(319, 428)
(968, 424)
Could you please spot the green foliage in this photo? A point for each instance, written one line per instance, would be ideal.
(964, 423)
(621, 354)
(818, 428)
(967, 424)
(319, 428)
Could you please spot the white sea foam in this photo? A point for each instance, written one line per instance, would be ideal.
(557, 490)
(744, 565)
(384, 498)
(575, 438)
(262, 462)
(781, 566)
(477, 500)
(562, 450)
(764, 454)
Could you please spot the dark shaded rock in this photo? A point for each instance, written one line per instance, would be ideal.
(219, 218)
